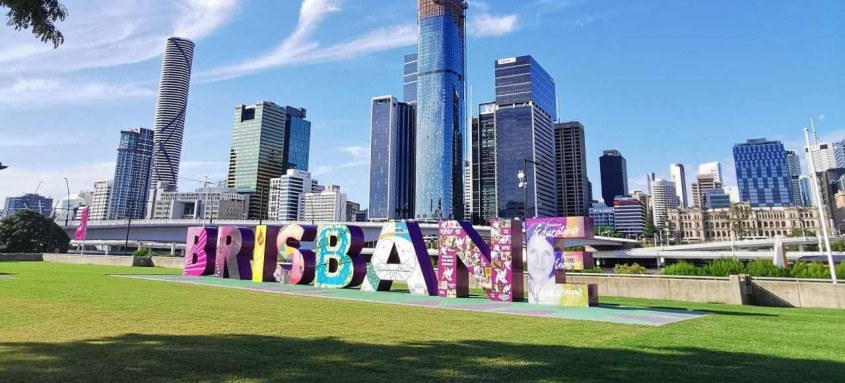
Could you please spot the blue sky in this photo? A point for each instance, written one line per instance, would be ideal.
(661, 81)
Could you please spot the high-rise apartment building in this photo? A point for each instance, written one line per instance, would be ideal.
(352, 210)
(571, 160)
(441, 55)
(326, 206)
(614, 175)
(171, 106)
(131, 174)
(762, 173)
(483, 158)
(100, 203)
(649, 178)
(286, 201)
(392, 148)
(714, 168)
(663, 198)
(525, 138)
(267, 140)
(679, 177)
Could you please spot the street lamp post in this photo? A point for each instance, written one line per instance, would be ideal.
(67, 202)
(522, 176)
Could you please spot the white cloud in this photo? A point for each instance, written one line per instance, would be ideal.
(38, 92)
(20, 178)
(300, 48)
(358, 152)
(821, 117)
(199, 18)
(485, 24)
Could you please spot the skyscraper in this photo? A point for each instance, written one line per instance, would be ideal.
(679, 177)
(571, 154)
(714, 168)
(440, 109)
(328, 205)
(525, 116)
(483, 159)
(34, 202)
(169, 124)
(663, 198)
(762, 173)
(806, 193)
(392, 159)
(793, 164)
(614, 175)
(131, 174)
(267, 140)
(410, 79)
(827, 155)
(649, 178)
(100, 203)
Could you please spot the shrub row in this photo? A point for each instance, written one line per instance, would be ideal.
(755, 268)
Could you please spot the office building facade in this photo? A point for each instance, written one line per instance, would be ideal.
(440, 103)
(392, 165)
(704, 183)
(34, 202)
(696, 225)
(410, 79)
(827, 155)
(171, 107)
(762, 173)
(679, 177)
(525, 138)
(286, 202)
(483, 158)
(328, 205)
(793, 165)
(131, 182)
(714, 168)
(614, 175)
(209, 203)
(602, 216)
(571, 160)
(267, 140)
(628, 216)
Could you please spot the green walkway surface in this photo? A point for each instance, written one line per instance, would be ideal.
(602, 313)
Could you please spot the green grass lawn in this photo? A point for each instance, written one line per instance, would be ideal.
(76, 323)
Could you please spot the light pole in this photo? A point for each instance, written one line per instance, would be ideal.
(523, 184)
(67, 202)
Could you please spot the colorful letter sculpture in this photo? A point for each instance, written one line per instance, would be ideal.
(297, 266)
(265, 254)
(577, 260)
(400, 255)
(201, 246)
(546, 261)
(461, 252)
(339, 260)
(506, 261)
(234, 252)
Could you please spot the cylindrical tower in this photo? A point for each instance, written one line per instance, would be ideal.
(441, 56)
(169, 124)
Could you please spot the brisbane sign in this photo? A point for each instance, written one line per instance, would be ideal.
(329, 256)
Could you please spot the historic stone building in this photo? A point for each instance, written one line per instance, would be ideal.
(695, 225)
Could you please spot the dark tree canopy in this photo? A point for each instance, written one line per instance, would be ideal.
(27, 231)
(40, 15)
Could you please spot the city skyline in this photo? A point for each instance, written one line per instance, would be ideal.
(89, 153)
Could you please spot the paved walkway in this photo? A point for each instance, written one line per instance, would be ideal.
(602, 313)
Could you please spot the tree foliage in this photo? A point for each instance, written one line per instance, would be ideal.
(739, 220)
(27, 231)
(39, 15)
(649, 229)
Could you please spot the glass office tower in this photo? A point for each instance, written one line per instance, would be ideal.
(391, 160)
(483, 157)
(410, 78)
(525, 116)
(762, 173)
(267, 140)
(132, 174)
(440, 109)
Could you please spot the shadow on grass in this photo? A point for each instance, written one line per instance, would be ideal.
(134, 357)
(681, 310)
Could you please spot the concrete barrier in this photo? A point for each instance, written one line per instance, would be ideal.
(797, 293)
(700, 290)
(20, 257)
(169, 262)
(91, 259)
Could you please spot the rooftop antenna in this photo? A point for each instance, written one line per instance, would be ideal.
(815, 136)
(557, 108)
